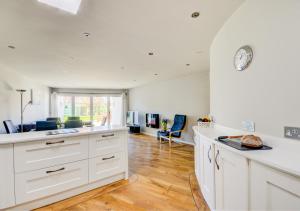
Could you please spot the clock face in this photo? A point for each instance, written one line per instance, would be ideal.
(243, 58)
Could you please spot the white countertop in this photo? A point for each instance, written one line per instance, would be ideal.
(284, 156)
(42, 135)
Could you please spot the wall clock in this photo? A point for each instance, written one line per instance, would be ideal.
(243, 58)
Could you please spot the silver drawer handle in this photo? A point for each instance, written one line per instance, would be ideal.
(208, 154)
(56, 142)
(216, 159)
(108, 158)
(61, 169)
(108, 135)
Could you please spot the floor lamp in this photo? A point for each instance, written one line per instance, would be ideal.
(22, 91)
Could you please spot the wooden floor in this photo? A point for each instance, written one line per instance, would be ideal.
(160, 179)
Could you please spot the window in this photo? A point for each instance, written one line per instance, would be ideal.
(64, 104)
(83, 108)
(100, 110)
(115, 106)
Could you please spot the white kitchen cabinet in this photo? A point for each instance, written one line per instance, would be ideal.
(41, 154)
(231, 177)
(101, 144)
(106, 165)
(207, 174)
(43, 170)
(272, 189)
(249, 180)
(44, 182)
(7, 176)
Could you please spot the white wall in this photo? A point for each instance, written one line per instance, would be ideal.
(268, 91)
(10, 99)
(187, 95)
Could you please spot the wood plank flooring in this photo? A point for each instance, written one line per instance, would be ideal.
(160, 179)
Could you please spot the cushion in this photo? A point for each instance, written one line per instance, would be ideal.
(179, 124)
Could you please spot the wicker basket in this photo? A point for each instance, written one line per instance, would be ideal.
(205, 124)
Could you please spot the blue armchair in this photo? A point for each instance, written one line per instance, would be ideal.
(73, 122)
(175, 131)
(46, 125)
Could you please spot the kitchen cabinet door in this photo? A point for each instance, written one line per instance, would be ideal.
(207, 163)
(106, 166)
(41, 183)
(7, 177)
(231, 175)
(272, 189)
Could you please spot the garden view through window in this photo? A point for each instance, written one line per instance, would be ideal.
(96, 110)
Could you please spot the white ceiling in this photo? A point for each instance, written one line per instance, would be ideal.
(51, 47)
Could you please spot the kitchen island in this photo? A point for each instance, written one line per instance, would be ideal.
(39, 168)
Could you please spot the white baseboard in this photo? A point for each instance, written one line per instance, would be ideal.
(149, 134)
(175, 140)
(184, 142)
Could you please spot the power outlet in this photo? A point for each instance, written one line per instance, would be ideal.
(292, 132)
(248, 126)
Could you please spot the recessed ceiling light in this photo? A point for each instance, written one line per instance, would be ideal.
(86, 34)
(155, 74)
(150, 53)
(188, 64)
(11, 47)
(195, 14)
(71, 6)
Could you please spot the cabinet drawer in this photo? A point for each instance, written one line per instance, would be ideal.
(44, 182)
(46, 153)
(101, 144)
(106, 166)
(271, 189)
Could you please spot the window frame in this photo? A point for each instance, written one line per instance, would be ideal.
(91, 96)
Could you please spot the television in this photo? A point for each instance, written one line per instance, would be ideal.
(152, 120)
(132, 118)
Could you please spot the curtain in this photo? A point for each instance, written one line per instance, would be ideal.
(125, 107)
(53, 105)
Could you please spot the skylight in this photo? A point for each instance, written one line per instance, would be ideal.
(71, 6)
